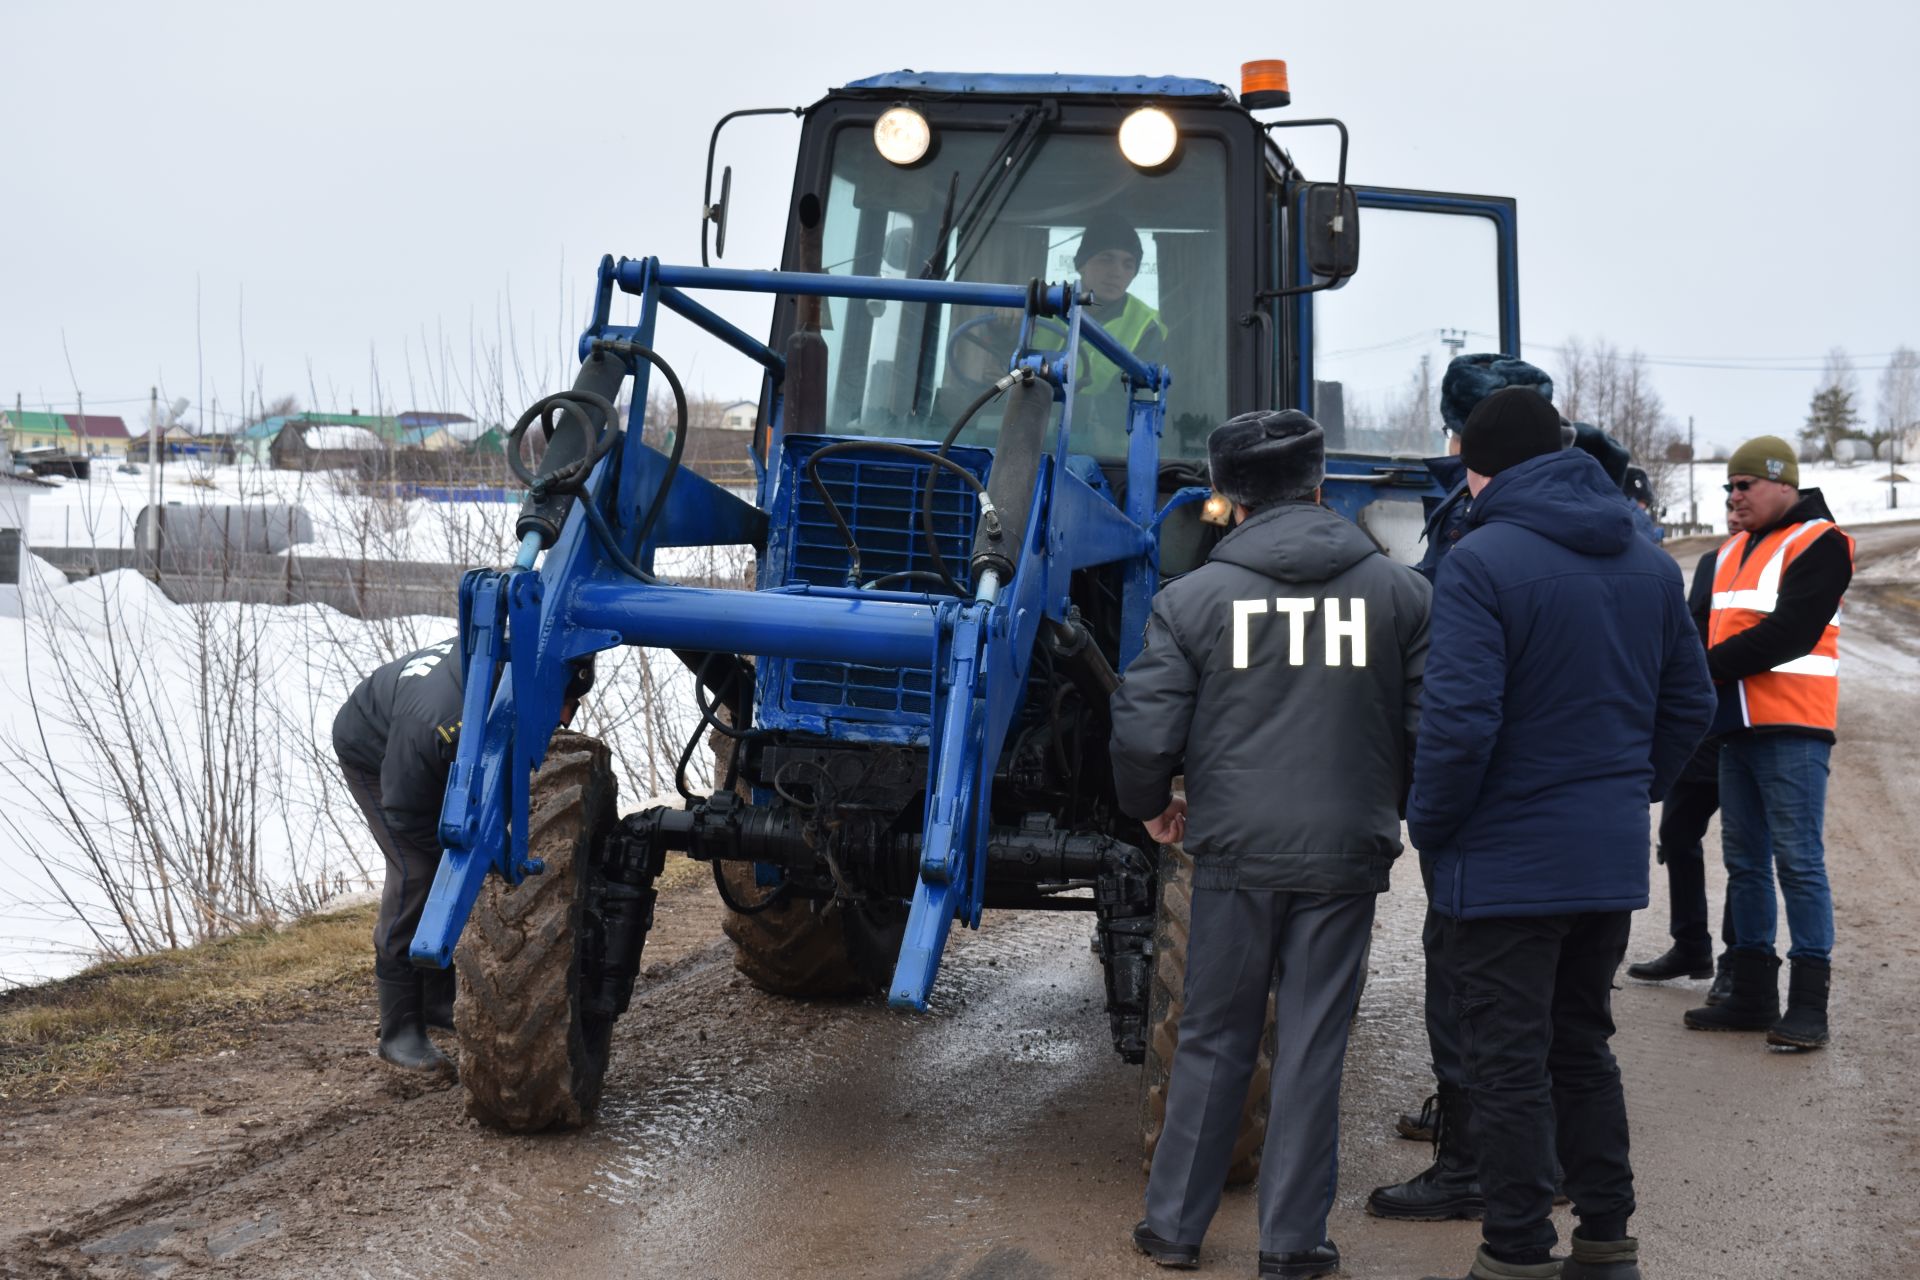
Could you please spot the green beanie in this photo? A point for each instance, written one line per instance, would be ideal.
(1769, 458)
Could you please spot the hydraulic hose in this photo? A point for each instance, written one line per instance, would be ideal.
(937, 461)
(979, 402)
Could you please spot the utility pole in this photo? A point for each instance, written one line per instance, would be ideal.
(153, 480)
(1453, 340)
(1693, 505)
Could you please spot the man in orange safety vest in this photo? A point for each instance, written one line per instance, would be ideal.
(1773, 647)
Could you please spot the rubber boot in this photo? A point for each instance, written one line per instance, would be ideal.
(1754, 1002)
(403, 1037)
(1674, 963)
(1488, 1267)
(1421, 1125)
(1602, 1259)
(436, 990)
(1450, 1186)
(1805, 1023)
(1722, 980)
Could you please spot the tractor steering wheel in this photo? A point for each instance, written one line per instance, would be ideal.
(985, 334)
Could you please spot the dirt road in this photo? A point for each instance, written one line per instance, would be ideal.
(996, 1137)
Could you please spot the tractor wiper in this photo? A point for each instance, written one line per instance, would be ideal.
(1009, 156)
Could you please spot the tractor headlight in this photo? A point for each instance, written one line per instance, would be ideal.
(1148, 138)
(902, 135)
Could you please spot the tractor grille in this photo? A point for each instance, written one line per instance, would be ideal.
(879, 497)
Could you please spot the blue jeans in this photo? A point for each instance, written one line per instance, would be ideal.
(1773, 806)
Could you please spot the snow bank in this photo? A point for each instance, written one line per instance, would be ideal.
(108, 689)
(1857, 493)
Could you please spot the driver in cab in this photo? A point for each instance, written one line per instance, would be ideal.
(1108, 260)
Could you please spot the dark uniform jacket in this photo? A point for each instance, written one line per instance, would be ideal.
(402, 723)
(1447, 522)
(1284, 674)
(1566, 690)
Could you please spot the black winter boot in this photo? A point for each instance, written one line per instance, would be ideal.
(1602, 1259)
(1754, 1002)
(403, 1037)
(1675, 963)
(1450, 1186)
(436, 990)
(1420, 1126)
(1488, 1267)
(1722, 980)
(1805, 1023)
(1302, 1264)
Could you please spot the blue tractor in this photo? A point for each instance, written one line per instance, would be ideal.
(1009, 311)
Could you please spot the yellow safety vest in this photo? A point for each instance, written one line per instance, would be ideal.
(1095, 373)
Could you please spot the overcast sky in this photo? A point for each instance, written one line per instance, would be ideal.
(1707, 182)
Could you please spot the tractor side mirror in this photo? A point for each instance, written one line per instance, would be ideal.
(1330, 226)
(717, 213)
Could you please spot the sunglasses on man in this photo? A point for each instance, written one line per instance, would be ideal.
(1739, 486)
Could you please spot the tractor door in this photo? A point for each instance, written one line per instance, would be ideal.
(1439, 274)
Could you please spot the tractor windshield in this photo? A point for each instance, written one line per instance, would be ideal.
(1151, 246)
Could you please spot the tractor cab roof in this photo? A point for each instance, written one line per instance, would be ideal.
(1029, 86)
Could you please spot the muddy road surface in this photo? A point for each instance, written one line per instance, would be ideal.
(995, 1138)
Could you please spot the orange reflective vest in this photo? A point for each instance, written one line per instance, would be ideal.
(1803, 692)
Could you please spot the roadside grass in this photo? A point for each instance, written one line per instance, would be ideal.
(77, 1034)
(68, 1036)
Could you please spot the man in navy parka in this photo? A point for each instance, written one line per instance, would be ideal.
(1565, 689)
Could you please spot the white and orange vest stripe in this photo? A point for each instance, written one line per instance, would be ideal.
(1803, 692)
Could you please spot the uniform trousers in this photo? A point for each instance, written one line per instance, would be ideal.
(1310, 950)
(410, 868)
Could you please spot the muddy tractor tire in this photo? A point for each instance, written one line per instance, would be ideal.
(791, 949)
(1164, 1006)
(531, 1056)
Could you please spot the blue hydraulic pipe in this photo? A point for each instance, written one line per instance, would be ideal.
(966, 293)
(739, 339)
(779, 624)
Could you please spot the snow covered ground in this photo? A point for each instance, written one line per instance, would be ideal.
(1856, 492)
(167, 761)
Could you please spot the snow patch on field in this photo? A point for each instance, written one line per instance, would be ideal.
(1856, 492)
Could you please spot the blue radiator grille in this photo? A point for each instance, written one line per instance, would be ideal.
(879, 497)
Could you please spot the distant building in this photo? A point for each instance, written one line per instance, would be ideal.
(739, 416)
(308, 446)
(95, 434)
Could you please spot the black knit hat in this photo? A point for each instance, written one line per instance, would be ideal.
(1507, 428)
(1472, 378)
(1265, 457)
(1106, 232)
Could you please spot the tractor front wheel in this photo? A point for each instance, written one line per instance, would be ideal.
(532, 1054)
(795, 949)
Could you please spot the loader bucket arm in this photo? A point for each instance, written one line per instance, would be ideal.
(527, 623)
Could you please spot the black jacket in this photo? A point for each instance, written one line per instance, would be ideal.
(1810, 592)
(1295, 742)
(402, 723)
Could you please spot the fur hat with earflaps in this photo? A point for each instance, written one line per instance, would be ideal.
(1472, 378)
(1267, 456)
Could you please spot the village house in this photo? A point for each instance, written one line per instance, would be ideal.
(94, 435)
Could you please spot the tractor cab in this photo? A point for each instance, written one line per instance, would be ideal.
(1199, 244)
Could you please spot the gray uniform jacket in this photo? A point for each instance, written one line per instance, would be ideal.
(1283, 676)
